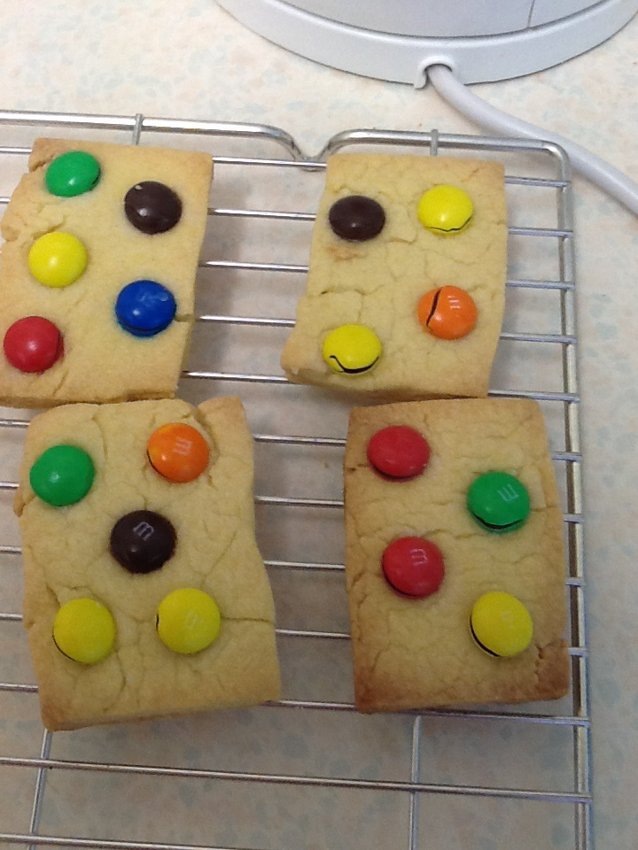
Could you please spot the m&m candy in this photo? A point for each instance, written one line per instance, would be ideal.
(188, 620)
(33, 344)
(152, 207)
(145, 308)
(72, 173)
(356, 218)
(84, 630)
(57, 259)
(178, 452)
(62, 475)
(447, 312)
(413, 566)
(398, 451)
(351, 349)
(501, 624)
(498, 501)
(445, 209)
(142, 541)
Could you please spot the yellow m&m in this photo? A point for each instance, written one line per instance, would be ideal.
(188, 620)
(445, 209)
(351, 349)
(57, 259)
(84, 630)
(501, 624)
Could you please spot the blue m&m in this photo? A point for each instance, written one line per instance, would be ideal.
(145, 308)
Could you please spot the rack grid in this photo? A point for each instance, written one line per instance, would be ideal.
(308, 772)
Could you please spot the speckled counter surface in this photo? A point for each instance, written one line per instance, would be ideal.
(191, 60)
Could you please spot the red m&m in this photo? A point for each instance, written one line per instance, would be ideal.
(178, 452)
(33, 344)
(398, 451)
(413, 566)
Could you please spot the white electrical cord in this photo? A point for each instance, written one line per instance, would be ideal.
(604, 175)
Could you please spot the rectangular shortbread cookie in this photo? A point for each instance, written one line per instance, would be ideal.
(379, 282)
(68, 555)
(100, 361)
(412, 653)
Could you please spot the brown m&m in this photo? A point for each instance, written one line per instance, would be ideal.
(142, 541)
(152, 207)
(356, 218)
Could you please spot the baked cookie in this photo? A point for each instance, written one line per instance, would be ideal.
(145, 593)
(406, 283)
(97, 273)
(454, 562)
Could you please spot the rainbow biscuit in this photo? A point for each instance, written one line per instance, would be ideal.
(406, 282)
(454, 555)
(97, 273)
(145, 593)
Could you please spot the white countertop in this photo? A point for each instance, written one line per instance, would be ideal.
(191, 60)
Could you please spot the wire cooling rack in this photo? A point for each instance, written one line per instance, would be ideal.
(309, 773)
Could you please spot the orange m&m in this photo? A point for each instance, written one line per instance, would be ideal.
(447, 312)
(178, 452)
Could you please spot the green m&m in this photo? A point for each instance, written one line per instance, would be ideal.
(499, 502)
(62, 475)
(72, 173)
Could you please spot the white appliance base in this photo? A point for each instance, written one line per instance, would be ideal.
(404, 59)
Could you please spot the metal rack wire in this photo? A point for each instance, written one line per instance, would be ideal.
(312, 772)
